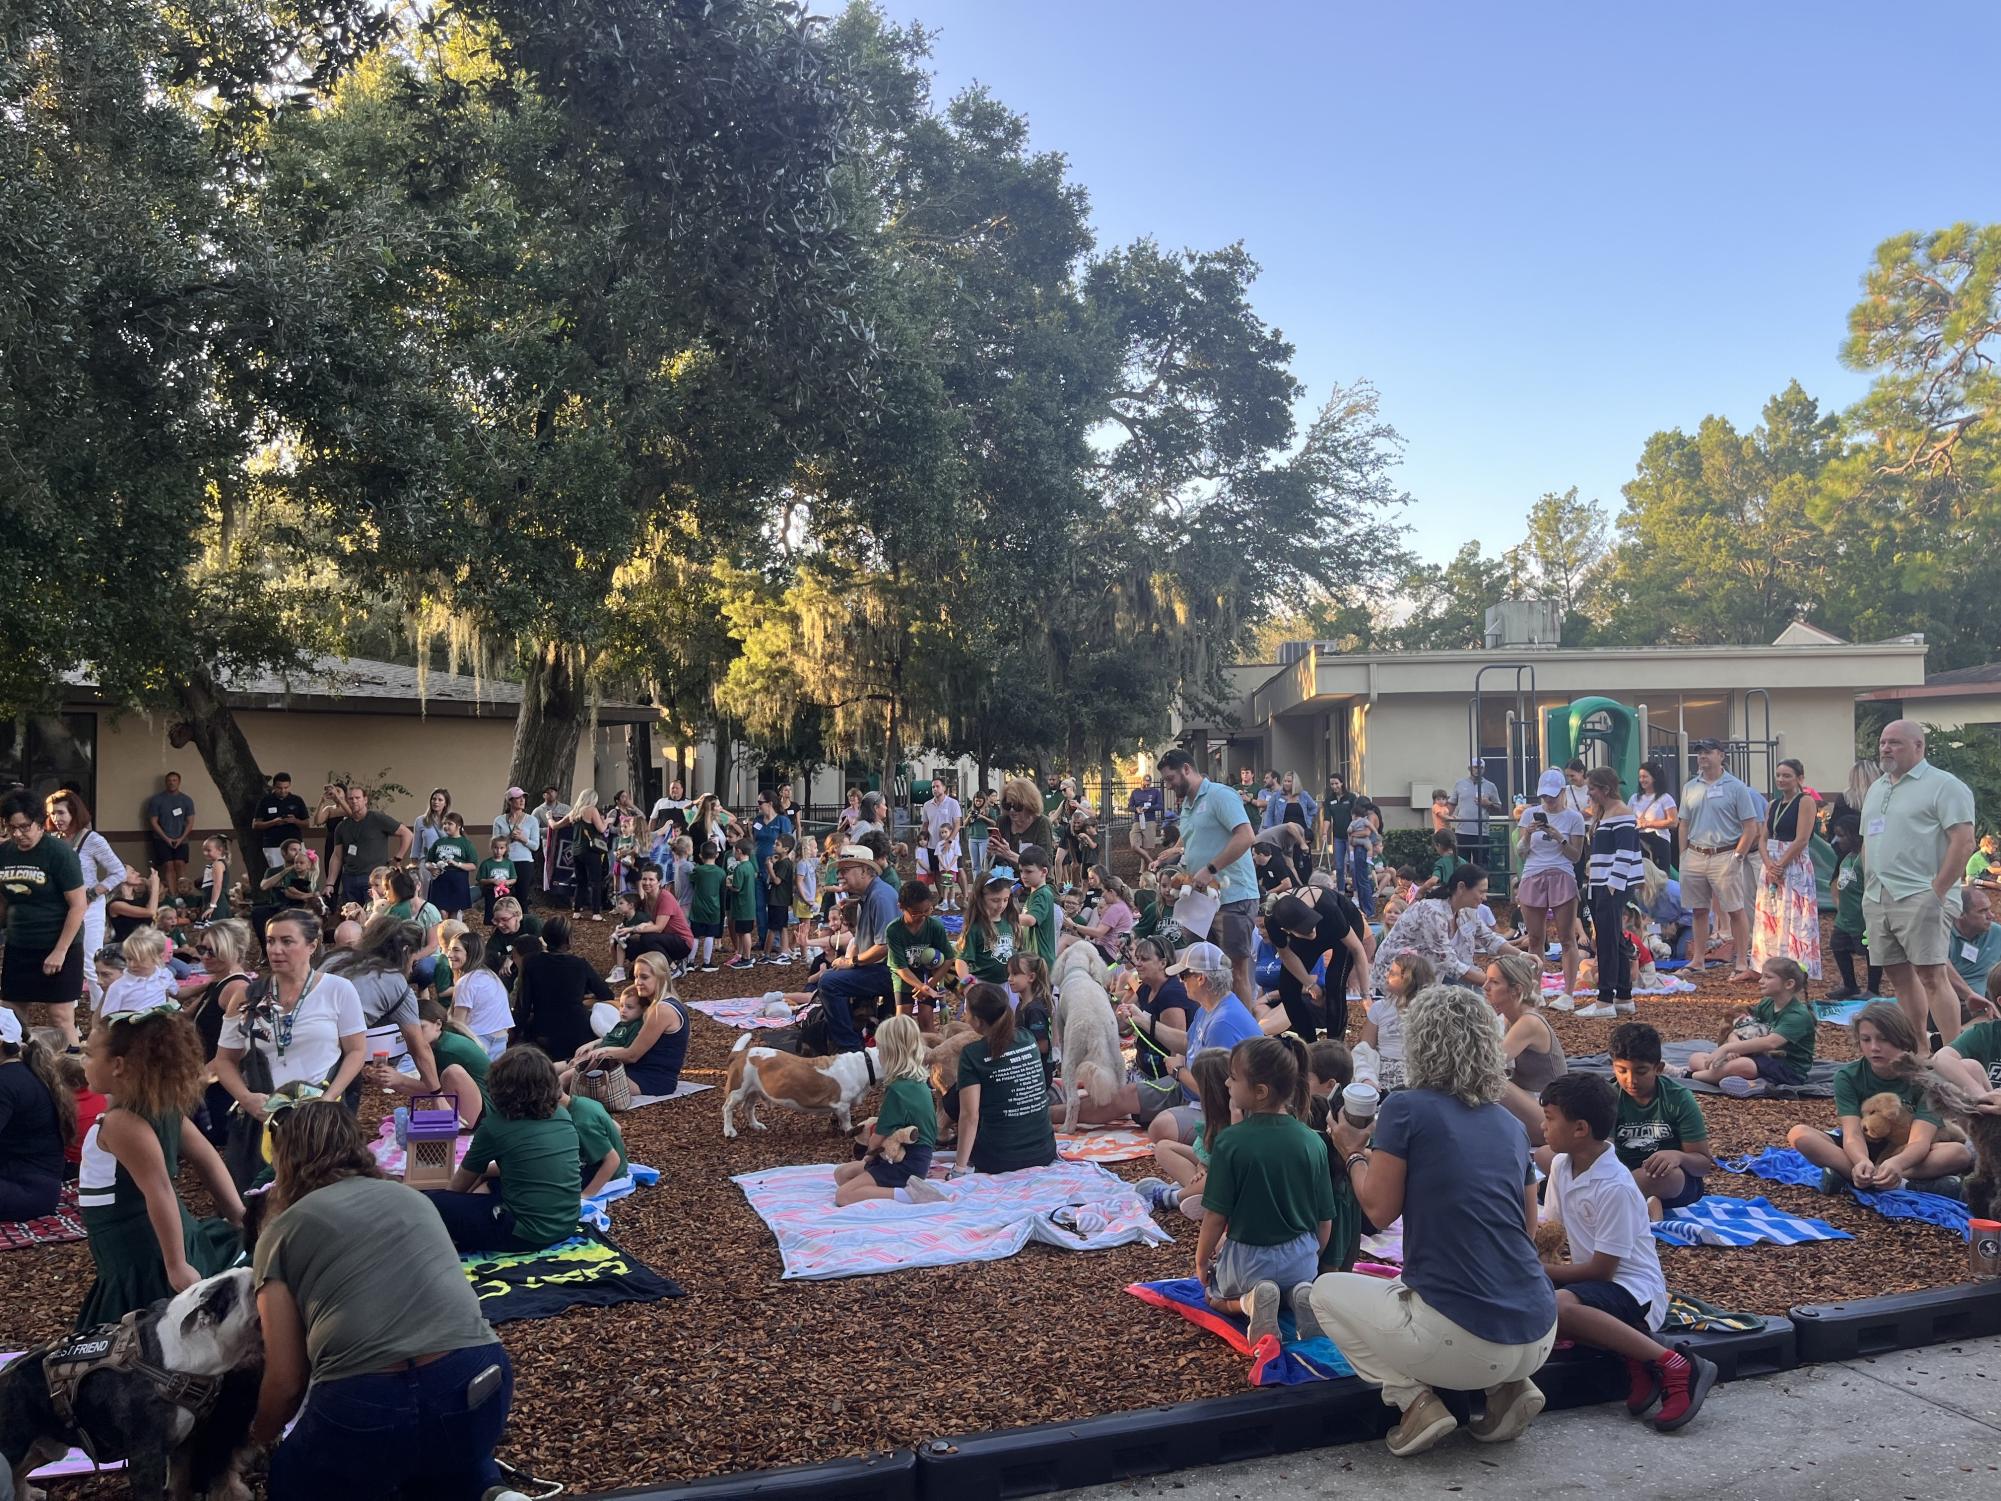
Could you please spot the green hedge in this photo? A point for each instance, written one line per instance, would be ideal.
(1409, 847)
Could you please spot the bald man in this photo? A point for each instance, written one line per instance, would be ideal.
(1917, 834)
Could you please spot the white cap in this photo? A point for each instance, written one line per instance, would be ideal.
(1550, 784)
(1202, 959)
(10, 1026)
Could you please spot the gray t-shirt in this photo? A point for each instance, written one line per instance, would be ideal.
(874, 911)
(1466, 1243)
(375, 1276)
(387, 998)
(173, 810)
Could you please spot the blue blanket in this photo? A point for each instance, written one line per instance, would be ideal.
(1719, 1221)
(1294, 1362)
(1784, 1165)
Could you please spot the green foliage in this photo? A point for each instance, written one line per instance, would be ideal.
(1411, 847)
(1973, 754)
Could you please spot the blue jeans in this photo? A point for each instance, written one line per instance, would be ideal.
(763, 908)
(978, 844)
(1365, 889)
(397, 1434)
(839, 990)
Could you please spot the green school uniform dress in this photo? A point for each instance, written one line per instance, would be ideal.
(130, 1273)
(210, 894)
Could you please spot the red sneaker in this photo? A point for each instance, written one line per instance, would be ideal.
(1645, 1389)
(1685, 1381)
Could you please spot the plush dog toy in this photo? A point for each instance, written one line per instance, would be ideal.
(1552, 1242)
(1750, 1030)
(1886, 1121)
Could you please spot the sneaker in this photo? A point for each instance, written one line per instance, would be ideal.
(1737, 1087)
(741, 964)
(1948, 1187)
(1158, 1193)
(1597, 1011)
(1644, 1386)
(1511, 1407)
(1304, 1320)
(1261, 1305)
(1624, 1008)
(708, 969)
(1425, 1422)
(1561, 1001)
(924, 1191)
(617, 974)
(1685, 1382)
(1831, 1182)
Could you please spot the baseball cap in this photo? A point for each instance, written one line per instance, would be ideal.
(1550, 784)
(10, 1026)
(1476, 763)
(1708, 742)
(1202, 959)
(516, 792)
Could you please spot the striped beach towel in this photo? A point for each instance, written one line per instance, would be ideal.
(1784, 1165)
(1717, 1221)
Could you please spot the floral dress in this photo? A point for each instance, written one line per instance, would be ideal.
(1788, 925)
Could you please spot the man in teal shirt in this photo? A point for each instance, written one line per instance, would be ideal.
(1976, 945)
(1215, 850)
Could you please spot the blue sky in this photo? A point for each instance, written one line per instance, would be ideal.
(1543, 231)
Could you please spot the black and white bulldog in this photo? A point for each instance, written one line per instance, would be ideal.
(170, 1389)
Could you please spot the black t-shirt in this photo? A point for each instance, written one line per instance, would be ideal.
(782, 872)
(499, 945)
(31, 1144)
(1153, 1002)
(1338, 918)
(290, 806)
(549, 1006)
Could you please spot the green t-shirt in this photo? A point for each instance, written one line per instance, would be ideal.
(1670, 1121)
(1982, 1043)
(597, 1133)
(624, 1033)
(705, 883)
(375, 1277)
(456, 849)
(979, 825)
(35, 882)
(1041, 905)
(932, 935)
(1848, 897)
(455, 1047)
(988, 961)
(1857, 1081)
(1978, 865)
(538, 1172)
(1268, 1178)
(1795, 1023)
(1014, 1099)
(907, 1102)
(1443, 866)
(743, 890)
(493, 872)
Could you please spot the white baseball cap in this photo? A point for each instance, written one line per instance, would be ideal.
(1203, 959)
(1550, 784)
(10, 1026)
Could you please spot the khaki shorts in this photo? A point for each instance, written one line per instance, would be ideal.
(1715, 882)
(1235, 929)
(1907, 930)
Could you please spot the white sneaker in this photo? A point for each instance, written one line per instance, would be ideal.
(1561, 1001)
(1597, 1011)
(1625, 1008)
(615, 976)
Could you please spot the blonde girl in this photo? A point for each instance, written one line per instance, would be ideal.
(1409, 972)
(906, 1103)
(144, 1243)
(146, 982)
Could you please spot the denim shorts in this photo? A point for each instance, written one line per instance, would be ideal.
(1239, 1267)
(916, 1162)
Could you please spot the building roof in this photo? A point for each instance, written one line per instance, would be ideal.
(361, 685)
(1960, 682)
(1805, 633)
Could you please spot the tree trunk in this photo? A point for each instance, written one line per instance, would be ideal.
(1105, 774)
(551, 721)
(225, 752)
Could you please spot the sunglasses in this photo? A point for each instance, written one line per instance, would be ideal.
(1013, 807)
(205, 952)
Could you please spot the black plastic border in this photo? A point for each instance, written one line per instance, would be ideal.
(1258, 1423)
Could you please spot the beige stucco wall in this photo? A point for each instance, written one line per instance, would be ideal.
(469, 756)
(1950, 713)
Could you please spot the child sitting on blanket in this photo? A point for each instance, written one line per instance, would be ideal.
(1408, 973)
(1774, 1043)
(600, 1144)
(906, 1104)
(1611, 1294)
(1268, 1205)
(519, 1184)
(1659, 1134)
(1183, 1166)
(1888, 1044)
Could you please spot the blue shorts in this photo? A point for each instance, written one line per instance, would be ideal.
(1691, 1190)
(1239, 1267)
(1775, 1070)
(915, 1164)
(1609, 1297)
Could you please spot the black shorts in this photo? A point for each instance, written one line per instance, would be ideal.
(915, 1164)
(22, 982)
(1609, 1297)
(1691, 1190)
(1775, 1070)
(705, 929)
(164, 853)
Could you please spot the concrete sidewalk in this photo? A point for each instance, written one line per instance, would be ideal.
(1920, 1425)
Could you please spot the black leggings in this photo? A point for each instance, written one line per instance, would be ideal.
(588, 893)
(29, 1197)
(1847, 948)
(1615, 973)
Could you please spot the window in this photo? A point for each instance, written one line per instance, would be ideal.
(47, 751)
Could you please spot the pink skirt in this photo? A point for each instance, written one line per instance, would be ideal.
(1546, 889)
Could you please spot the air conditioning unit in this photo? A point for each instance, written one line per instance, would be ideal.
(1524, 622)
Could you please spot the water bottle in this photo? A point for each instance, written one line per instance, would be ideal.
(402, 1125)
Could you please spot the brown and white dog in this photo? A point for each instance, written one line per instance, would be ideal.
(818, 1086)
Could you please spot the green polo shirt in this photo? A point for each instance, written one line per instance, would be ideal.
(1904, 826)
(1982, 1043)
(1795, 1024)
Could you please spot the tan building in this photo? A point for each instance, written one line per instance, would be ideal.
(1949, 700)
(1398, 725)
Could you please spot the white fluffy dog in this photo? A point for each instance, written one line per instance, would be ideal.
(1084, 1031)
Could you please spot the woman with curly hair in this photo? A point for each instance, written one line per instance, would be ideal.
(367, 1315)
(1473, 1310)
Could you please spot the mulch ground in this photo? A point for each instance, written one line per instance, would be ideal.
(750, 1371)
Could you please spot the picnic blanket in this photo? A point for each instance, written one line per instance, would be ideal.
(1670, 985)
(1717, 1220)
(1078, 1206)
(1386, 1245)
(50, 1230)
(1784, 1165)
(1288, 1361)
(1103, 1144)
(587, 1270)
(1686, 1311)
(1819, 1079)
(595, 1210)
(681, 1092)
(1841, 1013)
(743, 1012)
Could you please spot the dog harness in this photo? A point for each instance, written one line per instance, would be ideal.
(117, 1347)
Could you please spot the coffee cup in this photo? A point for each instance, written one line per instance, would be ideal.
(1359, 1102)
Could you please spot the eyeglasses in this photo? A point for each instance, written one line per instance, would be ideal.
(20, 827)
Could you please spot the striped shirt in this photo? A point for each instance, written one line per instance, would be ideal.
(1615, 853)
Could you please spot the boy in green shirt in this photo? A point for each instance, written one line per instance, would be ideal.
(1885, 1038)
(743, 905)
(1659, 1134)
(705, 906)
(1445, 847)
(920, 949)
(1851, 932)
(527, 1145)
(1038, 908)
(496, 877)
(1781, 1049)
(600, 1144)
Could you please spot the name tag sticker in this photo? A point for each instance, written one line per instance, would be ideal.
(1970, 952)
(354, 849)
(1875, 826)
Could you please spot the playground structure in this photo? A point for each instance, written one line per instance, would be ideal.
(1602, 731)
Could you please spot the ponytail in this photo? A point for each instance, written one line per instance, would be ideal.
(992, 1012)
(1279, 1065)
(45, 1066)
